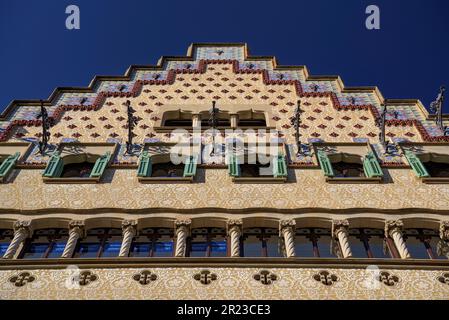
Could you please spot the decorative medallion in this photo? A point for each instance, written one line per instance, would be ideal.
(265, 277)
(326, 278)
(22, 279)
(86, 277)
(387, 279)
(444, 278)
(145, 277)
(205, 277)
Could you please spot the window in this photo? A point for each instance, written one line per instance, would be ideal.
(167, 170)
(177, 118)
(424, 244)
(45, 243)
(369, 243)
(77, 170)
(100, 243)
(208, 242)
(346, 169)
(313, 243)
(251, 119)
(7, 164)
(6, 236)
(261, 242)
(255, 170)
(223, 120)
(429, 162)
(437, 169)
(153, 242)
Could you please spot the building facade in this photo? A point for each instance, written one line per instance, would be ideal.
(221, 175)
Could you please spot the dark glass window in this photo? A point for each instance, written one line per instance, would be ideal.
(100, 243)
(255, 170)
(153, 242)
(77, 170)
(6, 236)
(261, 242)
(368, 243)
(168, 170)
(437, 169)
(252, 123)
(348, 170)
(220, 123)
(45, 243)
(424, 244)
(208, 242)
(313, 242)
(178, 123)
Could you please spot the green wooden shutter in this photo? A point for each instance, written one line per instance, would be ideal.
(100, 165)
(8, 164)
(190, 166)
(416, 165)
(233, 166)
(144, 169)
(279, 166)
(325, 164)
(371, 166)
(54, 166)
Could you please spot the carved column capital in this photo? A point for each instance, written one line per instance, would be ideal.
(129, 226)
(392, 226)
(23, 226)
(444, 230)
(287, 225)
(77, 226)
(234, 224)
(183, 222)
(339, 226)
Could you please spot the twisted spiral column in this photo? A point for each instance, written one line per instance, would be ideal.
(235, 232)
(443, 245)
(393, 229)
(287, 232)
(340, 229)
(76, 231)
(22, 230)
(129, 229)
(182, 232)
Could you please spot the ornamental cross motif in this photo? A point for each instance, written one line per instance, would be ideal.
(387, 279)
(326, 278)
(205, 277)
(86, 277)
(145, 277)
(265, 277)
(22, 279)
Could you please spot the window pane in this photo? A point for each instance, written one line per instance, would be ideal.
(111, 249)
(357, 247)
(252, 247)
(218, 249)
(376, 245)
(88, 250)
(416, 248)
(273, 247)
(3, 247)
(57, 249)
(163, 249)
(140, 249)
(35, 251)
(441, 247)
(324, 247)
(198, 249)
(303, 247)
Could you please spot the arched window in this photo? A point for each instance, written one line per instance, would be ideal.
(45, 243)
(6, 236)
(207, 242)
(153, 242)
(424, 244)
(261, 242)
(100, 243)
(313, 242)
(369, 243)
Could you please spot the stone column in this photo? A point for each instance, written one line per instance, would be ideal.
(129, 229)
(22, 230)
(182, 227)
(393, 229)
(196, 120)
(443, 245)
(287, 232)
(340, 229)
(76, 231)
(234, 233)
(234, 120)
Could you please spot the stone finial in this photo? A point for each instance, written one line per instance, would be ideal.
(339, 225)
(393, 226)
(444, 230)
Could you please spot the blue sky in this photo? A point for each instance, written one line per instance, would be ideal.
(407, 58)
